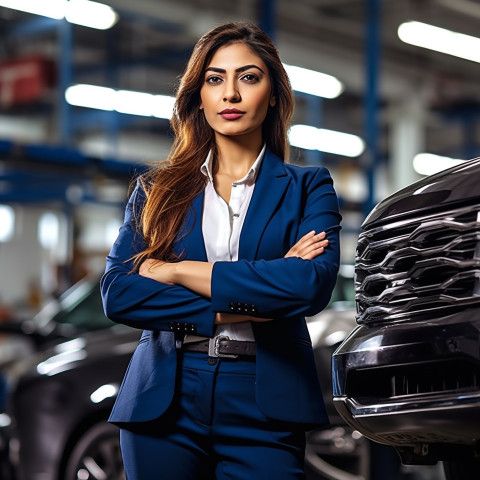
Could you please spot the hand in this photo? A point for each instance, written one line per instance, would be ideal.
(309, 246)
(158, 270)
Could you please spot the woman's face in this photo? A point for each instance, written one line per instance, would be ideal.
(236, 91)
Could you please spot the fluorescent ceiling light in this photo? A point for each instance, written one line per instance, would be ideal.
(7, 223)
(81, 12)
(91, 14)
(123, 101)
(440, 40)
(428, 164)
(163, 106)
(133, 103)
(47, 8)
(313, 83)
(91, 96)
(330, 141)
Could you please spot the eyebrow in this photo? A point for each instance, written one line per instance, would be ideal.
(237, 70)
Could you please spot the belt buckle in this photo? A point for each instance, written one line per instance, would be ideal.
(214, 347)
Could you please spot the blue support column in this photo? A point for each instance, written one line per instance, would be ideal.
(267, 17)
(314, 118)
(470, 123)
(65, 33)
(112, 73)
(34, 26)
(372, 57)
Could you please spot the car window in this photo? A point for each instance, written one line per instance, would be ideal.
(86, 312)
(344, 291)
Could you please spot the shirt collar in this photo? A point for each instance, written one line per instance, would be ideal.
(251, 175)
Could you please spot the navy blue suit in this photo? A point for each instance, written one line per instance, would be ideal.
(288, 202)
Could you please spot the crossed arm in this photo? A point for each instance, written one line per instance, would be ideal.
(197, 276)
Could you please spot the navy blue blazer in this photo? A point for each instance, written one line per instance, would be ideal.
(288, 201)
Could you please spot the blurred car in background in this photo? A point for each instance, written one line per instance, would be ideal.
(56, 398)
(409, 374)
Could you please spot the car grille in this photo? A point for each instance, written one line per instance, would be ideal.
(420, 268)
(454, 375)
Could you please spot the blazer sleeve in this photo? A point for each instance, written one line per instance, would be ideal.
(286, 287)
(141, 302)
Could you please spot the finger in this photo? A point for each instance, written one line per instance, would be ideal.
(311, 247)
(309, 240)
(313, 254)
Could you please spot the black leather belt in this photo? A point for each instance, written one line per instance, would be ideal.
(221, 346)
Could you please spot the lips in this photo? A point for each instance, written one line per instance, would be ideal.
(231, 114)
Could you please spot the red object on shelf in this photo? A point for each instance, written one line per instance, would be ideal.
(25, 80)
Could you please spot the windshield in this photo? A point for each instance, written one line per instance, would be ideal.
(82, 308)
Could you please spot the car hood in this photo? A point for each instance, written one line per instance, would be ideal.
(455, 186)
(68, 354)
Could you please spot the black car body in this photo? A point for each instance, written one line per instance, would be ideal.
(409, 373)
(57, 398)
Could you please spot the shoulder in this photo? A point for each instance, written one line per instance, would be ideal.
(275, 165)
(307, 174)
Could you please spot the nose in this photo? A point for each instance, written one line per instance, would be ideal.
(231, 92)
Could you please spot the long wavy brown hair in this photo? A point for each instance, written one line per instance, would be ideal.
(171, 185)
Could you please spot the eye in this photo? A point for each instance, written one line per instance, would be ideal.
(250, 78)
(213, 79)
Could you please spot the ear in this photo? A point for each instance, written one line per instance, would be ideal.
(273, 101)
(201, 106)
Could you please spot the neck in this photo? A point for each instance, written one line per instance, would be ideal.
(235, 155)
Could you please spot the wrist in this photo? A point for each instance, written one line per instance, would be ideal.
(176, 273)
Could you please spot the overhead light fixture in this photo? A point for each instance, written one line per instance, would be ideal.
(428, 163)
(440, 40)
(313, 83)
(46, 8)
(123, 101)
(81, 12)
(330, 141)
(91, 14)
(7, 221)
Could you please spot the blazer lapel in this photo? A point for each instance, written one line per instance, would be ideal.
(191, 240)
(270, 186)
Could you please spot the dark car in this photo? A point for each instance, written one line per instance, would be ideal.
(409, 373)
(57, 398)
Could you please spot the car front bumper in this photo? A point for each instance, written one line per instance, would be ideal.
(412, 383)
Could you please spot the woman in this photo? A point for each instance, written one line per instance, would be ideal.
(224, 250)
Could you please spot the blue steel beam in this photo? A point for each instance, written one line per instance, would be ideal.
(372, 57)
(267, 17)
(34, 26)
(11, 153)
(314, 118)
(65, 33)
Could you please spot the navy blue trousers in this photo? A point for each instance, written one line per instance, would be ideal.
(214, 430)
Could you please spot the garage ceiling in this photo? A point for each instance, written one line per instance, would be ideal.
(148, 47)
